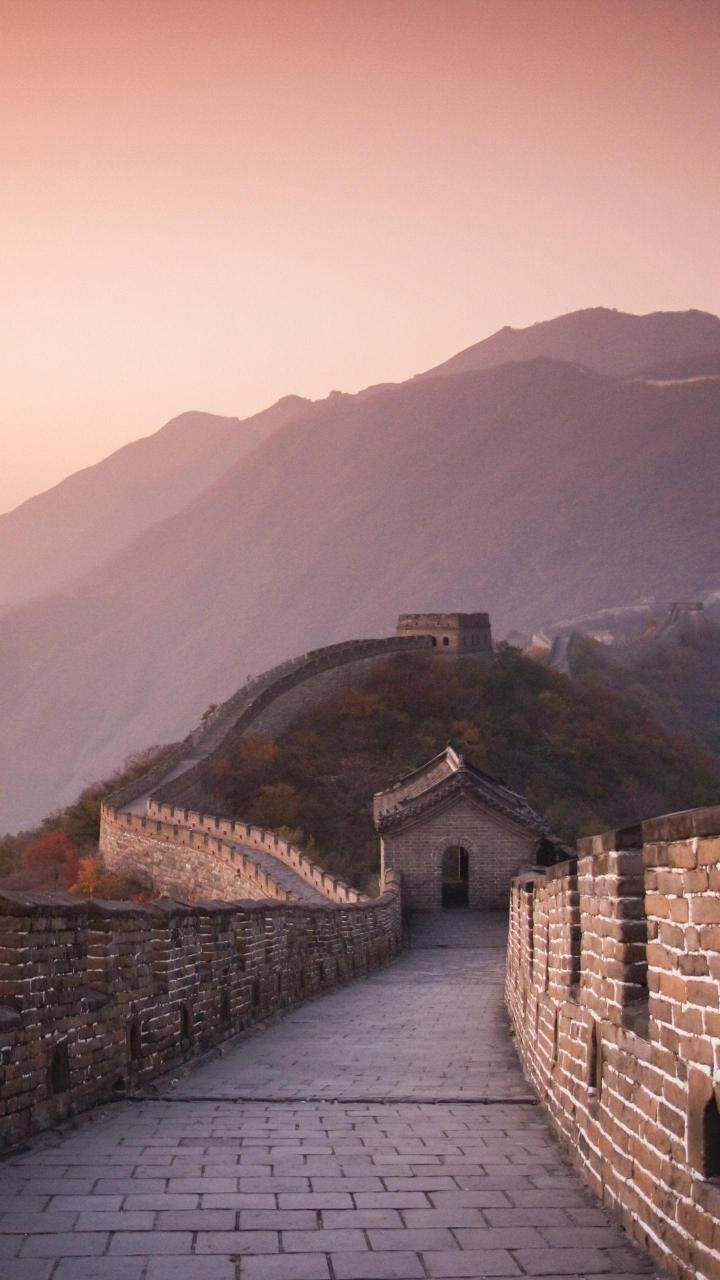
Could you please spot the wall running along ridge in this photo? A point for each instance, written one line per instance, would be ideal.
(175, 848)
(613, 989)
(190, 854)
(97, 999)
(267, 704)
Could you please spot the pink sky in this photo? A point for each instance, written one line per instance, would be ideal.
(209, 203)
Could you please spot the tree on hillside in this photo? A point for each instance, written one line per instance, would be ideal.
(54, 858)
(585, 757)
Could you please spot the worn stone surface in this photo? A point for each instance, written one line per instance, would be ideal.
(243, 1173)
(108, 996)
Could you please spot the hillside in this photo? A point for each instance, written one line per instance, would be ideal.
(607, 341)
(54, 538)
(531, 490)
(674, 675)
(585, 758)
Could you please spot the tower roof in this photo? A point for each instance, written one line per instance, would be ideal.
(448, 775)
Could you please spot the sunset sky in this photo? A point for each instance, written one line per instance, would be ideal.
(210, 203)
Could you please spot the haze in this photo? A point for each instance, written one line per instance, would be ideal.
(209, 204)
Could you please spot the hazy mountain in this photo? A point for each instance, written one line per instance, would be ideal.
(533, 490)
(53, 538)
(672, 669)
(601, 339)
(706, 365)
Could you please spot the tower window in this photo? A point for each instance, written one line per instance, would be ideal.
(446, 640)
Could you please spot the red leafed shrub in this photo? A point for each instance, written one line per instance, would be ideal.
(55, 855)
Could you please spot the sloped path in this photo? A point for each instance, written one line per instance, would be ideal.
(346, 1142)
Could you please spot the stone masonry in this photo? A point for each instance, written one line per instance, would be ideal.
(497, 850)
(157, 827)
(381, 1132)
(613, 988)
(96, 999)
(446, 805)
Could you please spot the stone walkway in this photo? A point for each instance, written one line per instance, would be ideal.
(384, 1131)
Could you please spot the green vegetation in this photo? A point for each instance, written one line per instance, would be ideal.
(678, 684)
(584, 756)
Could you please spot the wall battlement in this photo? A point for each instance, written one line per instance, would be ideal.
(613, 989)
(97, 999)
(175, 793)
(154, 848)
(450, 632)
(265, 704)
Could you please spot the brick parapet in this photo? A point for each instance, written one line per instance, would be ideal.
(97, 999)
(240, 713)
(253, 837)
(155, 849)
(627, 1061)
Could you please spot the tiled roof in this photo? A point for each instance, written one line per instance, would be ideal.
(462, 779)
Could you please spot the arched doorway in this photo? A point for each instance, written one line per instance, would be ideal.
(455, 876)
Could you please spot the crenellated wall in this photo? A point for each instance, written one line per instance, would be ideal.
(188, 854)
(97, 999)
(613, 989)
(267, 704)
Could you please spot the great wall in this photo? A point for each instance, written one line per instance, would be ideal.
(384, 1128)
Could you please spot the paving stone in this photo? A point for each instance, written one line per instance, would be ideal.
(500, 1238)
(29, 1268)
(79, 1204)
(392, 1200)
(147, 1243)
(205, 1186)
(396, 1185)
(192, 1269)
(486, 1262)
(27, 1223)
(197, 1220)
(78, 1244)
(377, 1266)
(526, 1217)
(322, 1241)
(582, 1237)
(417, 1238)
(425, 1183)
(288, 1267)
(277, 1219)
(316, 1200)
(237, 1242)
(458, 1215)
(132, 1221)
(243, 1200)
(334, 1218)
(563, 1262)
(100, 1269)
(20, 1200)
(161, 1201)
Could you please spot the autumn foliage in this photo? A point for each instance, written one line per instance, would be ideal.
(53, 859)
(586, 757)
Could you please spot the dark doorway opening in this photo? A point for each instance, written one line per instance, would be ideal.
(455, 877)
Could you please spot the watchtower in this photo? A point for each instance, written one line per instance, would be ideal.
(452, 633)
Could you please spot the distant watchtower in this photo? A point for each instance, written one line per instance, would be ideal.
(450, 632)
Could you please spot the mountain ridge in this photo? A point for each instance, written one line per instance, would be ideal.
(55, 536)
(531, 489)
(604, 339)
